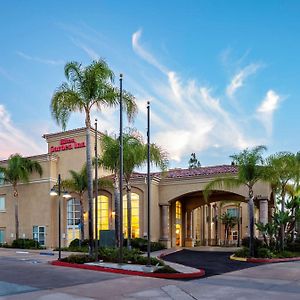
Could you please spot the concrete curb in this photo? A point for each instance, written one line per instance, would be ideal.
(263, 260)
(198, 274)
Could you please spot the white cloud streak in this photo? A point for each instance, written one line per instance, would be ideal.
(240, 77)
(40, 60)
(14, 140)
(91, 53)
(190, 117)
(267, 108)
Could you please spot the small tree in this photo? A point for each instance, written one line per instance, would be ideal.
(250, 171)
(229, 222)
(18, 170)
(194, 162)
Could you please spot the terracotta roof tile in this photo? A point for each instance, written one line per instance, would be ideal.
(202, 171)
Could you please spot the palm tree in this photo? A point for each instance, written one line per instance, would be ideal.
(281, 168)
(78, 185)
(86, 88)
(18, 170)
(109, 160)
(135, 156)
(229, 222)
(250, 170)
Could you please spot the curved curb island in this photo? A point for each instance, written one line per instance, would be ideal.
(198, 274)
(263, 260)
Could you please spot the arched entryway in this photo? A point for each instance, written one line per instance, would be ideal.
(197, 221)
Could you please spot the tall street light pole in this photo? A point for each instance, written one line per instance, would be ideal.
(56, 191)
(148, 185)
(96, 191)
(121, 173)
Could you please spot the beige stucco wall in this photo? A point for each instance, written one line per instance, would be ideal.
(36, 207)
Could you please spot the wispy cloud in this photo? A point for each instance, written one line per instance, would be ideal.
(14, 140)
(267, 108)
(240, 77)
(190, 117)
(87, 49)
(39, 60)
(147, 56)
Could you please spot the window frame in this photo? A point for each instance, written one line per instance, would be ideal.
(39, 233)
(3, 208)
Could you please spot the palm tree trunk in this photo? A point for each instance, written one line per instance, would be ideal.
(251, 222)
(117, 209)
(128, 189)
(282, 234)
(81, 219)
(16, 212)
(90, 182)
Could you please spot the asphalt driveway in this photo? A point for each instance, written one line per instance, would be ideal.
(214, 263)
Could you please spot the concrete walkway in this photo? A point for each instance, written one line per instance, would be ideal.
(274, 281)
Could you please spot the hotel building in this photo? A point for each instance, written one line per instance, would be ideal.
(180, 216)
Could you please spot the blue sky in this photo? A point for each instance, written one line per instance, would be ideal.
(220, 75)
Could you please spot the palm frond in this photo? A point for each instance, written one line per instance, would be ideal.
(220, 183)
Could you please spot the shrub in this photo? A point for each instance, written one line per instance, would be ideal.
(25, 244)
(244, 252)
(76, 243)
(257, 243)
(166, 269)
(134, 256)
(285, 254)
(142, 244)
(294, 246)
(78, 259)
(264, 253)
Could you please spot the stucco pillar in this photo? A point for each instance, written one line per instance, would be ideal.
(165, 226)
(204, 223)
(263, 210)
(209, 224)
(189, 239)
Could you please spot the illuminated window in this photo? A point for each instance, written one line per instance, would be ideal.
(103, 212)
(73, 219)
(178, 210)
(178, 223)
(135, 219)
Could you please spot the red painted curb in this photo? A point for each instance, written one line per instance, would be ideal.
(271, 260)
(198, 274)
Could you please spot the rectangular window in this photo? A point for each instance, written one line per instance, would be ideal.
(1, 178)
(234, 235)
(2, 203)
(233, 212)
(2, 236)
(38, 234)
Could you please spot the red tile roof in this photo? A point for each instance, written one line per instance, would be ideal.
(202, 171)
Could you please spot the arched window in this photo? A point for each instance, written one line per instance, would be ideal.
(73, 219)
(103, 212)
(135, 216)
(178, 215)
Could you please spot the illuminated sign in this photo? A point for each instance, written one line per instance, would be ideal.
(67, 144)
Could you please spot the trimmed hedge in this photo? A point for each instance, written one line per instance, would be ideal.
(25, 244)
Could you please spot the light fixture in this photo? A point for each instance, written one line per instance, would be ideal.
(53, 192)
(66, 195)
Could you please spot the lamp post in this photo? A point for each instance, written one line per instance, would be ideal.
(148, 186)
(56, 191)
(121, 174)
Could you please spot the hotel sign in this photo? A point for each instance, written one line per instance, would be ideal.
(67, 144)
